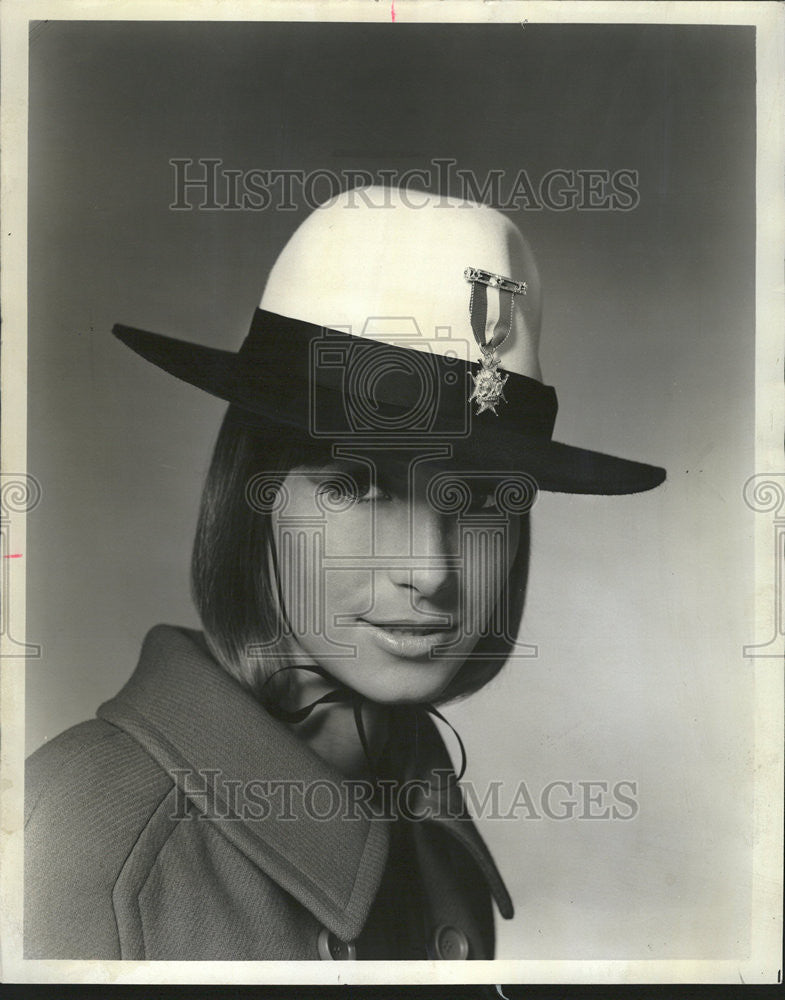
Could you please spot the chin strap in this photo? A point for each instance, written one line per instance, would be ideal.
(346, 695)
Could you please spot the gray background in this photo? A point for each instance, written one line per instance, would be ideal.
(639, 606)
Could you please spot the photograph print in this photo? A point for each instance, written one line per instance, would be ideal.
(392, 492)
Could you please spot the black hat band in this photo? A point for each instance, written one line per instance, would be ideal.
(356, 385)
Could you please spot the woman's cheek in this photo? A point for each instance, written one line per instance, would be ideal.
(486, 566)
(514, 540)
(350, 533)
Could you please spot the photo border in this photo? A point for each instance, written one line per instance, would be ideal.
(764, 963)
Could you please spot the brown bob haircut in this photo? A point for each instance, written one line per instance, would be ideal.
(233, 569)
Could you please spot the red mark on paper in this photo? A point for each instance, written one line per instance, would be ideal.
(14, 555)
(392, 10)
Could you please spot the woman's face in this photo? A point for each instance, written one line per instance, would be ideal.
(390, 570)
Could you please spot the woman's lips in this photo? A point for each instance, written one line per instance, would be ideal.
(409, 639)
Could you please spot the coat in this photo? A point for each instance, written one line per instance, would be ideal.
(156, 831)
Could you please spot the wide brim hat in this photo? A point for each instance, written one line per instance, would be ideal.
(397, 319)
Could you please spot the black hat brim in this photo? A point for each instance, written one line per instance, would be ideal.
(271, 396)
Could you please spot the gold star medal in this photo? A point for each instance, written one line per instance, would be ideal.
(488, 385)
(489, 381)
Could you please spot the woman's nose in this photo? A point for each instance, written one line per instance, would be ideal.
(429, 565)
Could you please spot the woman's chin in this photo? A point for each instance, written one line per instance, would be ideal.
(427, 684)
(384, 677)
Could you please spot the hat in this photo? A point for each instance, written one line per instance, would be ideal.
(398, 318)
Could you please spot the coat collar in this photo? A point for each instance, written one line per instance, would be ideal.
(218, 744)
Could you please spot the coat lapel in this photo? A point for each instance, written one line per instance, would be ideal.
(438, 799)
(229, 757)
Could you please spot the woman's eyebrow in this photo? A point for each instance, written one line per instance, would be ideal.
(400, 473)
(332, 467)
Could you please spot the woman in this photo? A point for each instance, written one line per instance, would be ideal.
(275, 787)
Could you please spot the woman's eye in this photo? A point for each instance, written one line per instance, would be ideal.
(484, 501)
(374, 492)
(357, 492)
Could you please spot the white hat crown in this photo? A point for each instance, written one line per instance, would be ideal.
(390, 264)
